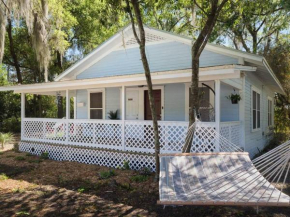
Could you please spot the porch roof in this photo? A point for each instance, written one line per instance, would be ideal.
(176, 76)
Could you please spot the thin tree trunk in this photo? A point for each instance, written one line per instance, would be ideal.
(197, 48)
(12, 52)
(141, 41)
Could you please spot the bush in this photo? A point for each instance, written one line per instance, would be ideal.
(12, 124)
(16, 147)
(139, 178)
(277, 140)
(107, 174)
(145, 171)
(44, 155)
(126, 165)
(5, 138)
(3, 176)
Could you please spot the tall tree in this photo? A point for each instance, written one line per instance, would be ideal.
(210, 11)
(141, 40)
(257, 25)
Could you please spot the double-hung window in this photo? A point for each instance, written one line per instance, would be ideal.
(96, 104)
(270, 112)
(256, 112)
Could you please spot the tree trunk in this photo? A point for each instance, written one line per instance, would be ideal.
(141, 43)
(59, 107)
(197, 48)
(13, 54)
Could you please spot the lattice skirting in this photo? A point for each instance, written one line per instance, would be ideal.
(100, 157)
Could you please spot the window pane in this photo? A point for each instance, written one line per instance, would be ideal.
(96, 113)
(258, 101)
(258, 119)
(96, 100)
(254, 100)
(254, 119)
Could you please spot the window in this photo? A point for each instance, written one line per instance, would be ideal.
(270, 112)
(256, 113)
(96, 105)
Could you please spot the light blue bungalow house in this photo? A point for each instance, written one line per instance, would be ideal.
(111, 78)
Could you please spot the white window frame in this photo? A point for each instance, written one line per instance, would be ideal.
(101, 90)
(272, 112)
(253, 88)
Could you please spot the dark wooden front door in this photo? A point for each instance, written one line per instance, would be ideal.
(157, 100)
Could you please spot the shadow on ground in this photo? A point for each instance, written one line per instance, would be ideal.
(37, 187)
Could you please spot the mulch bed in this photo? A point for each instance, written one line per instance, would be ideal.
(31, 186)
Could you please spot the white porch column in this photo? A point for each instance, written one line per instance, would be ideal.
(67, 114)
(75, 107)
(218, 108)
(242, 113)
(22, 114)
(123, 98)
(67, 105)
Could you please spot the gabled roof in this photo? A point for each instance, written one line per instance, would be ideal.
(125, 38)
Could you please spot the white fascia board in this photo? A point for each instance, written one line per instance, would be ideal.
(266, 64)
(221, 72)
(90, 59)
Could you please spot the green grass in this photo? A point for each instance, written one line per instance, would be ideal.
(107, 174)
(19, 158)
(3, 176)
(139, 178)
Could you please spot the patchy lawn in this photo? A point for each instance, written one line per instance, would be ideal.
(31, 186)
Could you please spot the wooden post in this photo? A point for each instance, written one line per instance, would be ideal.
(217, 110)
(22, 114)
(123, 116)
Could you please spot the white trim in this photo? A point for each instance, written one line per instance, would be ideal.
(163, 77)
(272, 112)
(99, 90)
(137, 45)
(217, 107)
(141, 100)
(22, 114)
(106, 47)
(242, 112)
(253, 88)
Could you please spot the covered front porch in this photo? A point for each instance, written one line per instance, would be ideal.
(89, 126)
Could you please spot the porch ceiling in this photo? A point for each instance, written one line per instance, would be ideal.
(178, 76)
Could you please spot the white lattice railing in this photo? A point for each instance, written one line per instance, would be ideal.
(134, 136)
(231, 131)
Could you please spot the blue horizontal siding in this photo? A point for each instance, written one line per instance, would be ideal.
(174, 102)
(162, 57)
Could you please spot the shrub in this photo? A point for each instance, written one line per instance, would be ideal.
(81, 190)
(126, 165)
(139, 178)
(3, 176)
(44, 155)
(19, 158)
(5, 138)
(145, 171)
(107, 174)
(12, 124)
(16, 147)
